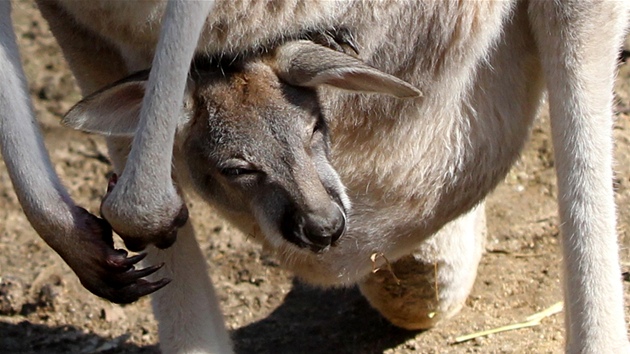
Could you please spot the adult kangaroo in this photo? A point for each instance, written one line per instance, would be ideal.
(482, 68)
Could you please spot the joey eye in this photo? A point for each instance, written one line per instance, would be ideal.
(236, 167)
(236, 171)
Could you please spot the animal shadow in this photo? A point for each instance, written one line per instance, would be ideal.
(29, 338)
(312, 320)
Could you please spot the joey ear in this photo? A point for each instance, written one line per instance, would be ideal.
(114, 110)
(304, 63)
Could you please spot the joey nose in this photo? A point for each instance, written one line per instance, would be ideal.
(323, 230)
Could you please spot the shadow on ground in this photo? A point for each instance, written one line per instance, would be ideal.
(312, 320)
(28, 338)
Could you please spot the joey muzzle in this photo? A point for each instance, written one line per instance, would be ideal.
(316, 231)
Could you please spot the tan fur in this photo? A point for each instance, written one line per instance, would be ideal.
(414, 169)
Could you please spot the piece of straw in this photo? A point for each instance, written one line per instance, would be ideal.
(388, 265)
(530, 321)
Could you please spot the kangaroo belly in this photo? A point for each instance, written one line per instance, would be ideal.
(411, 167)
(233, 27)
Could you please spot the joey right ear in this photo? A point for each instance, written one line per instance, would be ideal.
(111, 111)
(304, 63)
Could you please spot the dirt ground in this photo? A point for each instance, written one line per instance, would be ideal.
(43, 309)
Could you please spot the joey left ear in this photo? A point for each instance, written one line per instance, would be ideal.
(304, 63)
(113, 110)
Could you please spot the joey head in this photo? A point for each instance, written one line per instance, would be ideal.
(253, 137)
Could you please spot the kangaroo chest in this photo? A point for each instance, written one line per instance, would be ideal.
(422, 163)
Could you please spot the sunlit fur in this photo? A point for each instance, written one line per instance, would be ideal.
(413, 169)
(242, 114)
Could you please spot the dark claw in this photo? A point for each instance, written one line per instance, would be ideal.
(142, 288)
(146, 288)
(134, 275)
(103, 270)
(126, 262)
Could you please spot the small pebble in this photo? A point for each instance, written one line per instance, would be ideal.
(11, 295)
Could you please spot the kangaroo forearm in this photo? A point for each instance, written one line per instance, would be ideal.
(166, 87)
(42, 196)
(145, 192)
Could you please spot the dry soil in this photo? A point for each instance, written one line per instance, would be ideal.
(43, 308)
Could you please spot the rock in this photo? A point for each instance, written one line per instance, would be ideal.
(11, 295)
(113, 314)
